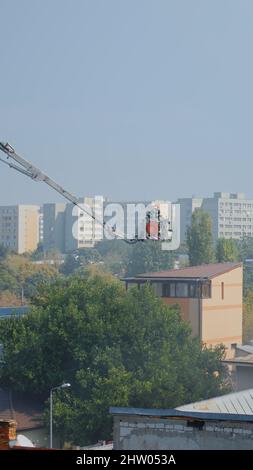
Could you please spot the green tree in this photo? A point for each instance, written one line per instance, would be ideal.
(80, 259)
(199, 239)
(116, 348)
(18, 273)
(245, 248)
(148, 256)
(38, 254)
(3, 252)
(226, 250)
(248, 317)
(34, 281)
(8, 280)
(115, 255)
(71, 263)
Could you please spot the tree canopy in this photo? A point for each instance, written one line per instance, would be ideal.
(115, 347)
(226, 250)
(19, 273)
(248, 317)
(148, 256)
(199, 239)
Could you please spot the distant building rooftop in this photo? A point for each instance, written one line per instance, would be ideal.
(205, 271)
(240, 361)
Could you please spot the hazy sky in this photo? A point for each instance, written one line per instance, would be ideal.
(133, 99)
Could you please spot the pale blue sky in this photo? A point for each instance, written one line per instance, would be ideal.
(133, 99)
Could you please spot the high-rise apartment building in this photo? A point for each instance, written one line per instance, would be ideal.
(187, 207)
(54, 227)
(81, 230)
(19, 227)
(67, 228)
(231, 213)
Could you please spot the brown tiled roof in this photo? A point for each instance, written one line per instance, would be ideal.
(204, 271)
(26, 412)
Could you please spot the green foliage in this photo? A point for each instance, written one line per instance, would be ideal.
(116, 348)
(247, 328)
(8, 280)
(17, 272)
(245, 248)
(80, 259)
(70, 264)
(148, 256)
(38, 254)
(199, 239)
(226, 250)
(3, 252)
(39, 278)
(115, 255)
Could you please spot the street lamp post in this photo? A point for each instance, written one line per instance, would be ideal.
(65, 385)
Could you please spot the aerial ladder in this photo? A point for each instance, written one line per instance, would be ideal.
(18, 163)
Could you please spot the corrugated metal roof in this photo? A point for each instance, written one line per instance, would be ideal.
(177, 413)
(240, 403)
(245, 348)
(204, 271)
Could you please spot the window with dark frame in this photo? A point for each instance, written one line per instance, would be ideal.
(187, 289)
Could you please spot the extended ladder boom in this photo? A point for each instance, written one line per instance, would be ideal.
(36, 174)
(26, 168)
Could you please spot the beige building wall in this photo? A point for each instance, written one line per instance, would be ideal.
(190, 311)
(28, 228)
(217, 320)
(19, 227)
(222, 314)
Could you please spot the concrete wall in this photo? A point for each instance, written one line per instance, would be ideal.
(143, 433)
(243, 378)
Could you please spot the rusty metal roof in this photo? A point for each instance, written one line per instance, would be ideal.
(206, 271)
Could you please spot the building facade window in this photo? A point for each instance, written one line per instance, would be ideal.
(187, 289)
(182, 289)
(222, 290)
